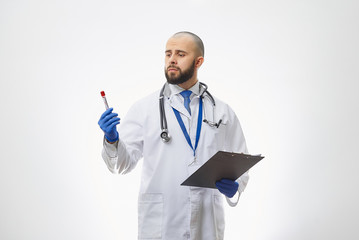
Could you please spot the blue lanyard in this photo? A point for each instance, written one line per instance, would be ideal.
(184, 130)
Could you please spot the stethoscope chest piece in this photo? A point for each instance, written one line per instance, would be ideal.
(165, 136)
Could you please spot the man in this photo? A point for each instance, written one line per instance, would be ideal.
(167, 210)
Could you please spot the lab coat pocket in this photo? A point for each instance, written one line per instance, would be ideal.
(150, 212)
(218, 216)
(214, 137)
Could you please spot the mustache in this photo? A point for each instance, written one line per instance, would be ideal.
(172, 66)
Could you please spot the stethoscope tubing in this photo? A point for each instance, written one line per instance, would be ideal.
(163, 120)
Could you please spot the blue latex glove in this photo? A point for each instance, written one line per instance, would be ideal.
(227, 187)
(108, 122)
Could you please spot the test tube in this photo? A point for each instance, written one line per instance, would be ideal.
(104, 99)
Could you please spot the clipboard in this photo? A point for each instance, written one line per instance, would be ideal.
(222, 165)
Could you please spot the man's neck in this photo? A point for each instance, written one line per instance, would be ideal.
(188, 84)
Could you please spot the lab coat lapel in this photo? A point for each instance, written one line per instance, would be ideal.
(178, 105)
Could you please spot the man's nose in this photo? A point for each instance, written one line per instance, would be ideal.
(173, 60)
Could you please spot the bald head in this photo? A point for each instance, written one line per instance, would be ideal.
(183, 58)
(197, 41)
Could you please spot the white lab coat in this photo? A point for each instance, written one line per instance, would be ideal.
(167, 210)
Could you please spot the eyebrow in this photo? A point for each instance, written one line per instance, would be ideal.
(178, 51)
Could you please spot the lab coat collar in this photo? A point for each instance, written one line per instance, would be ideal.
(172, 92)
(175, 89)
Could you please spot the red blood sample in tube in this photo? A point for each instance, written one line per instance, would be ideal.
(104, 99)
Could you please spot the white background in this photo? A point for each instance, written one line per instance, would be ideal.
(288, 68)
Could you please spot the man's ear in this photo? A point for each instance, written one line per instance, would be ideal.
(199, 62)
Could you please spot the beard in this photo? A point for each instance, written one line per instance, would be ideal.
(182, 76)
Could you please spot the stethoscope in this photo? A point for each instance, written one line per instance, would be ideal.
(164, 130)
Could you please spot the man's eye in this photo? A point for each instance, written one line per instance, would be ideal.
(181, 55)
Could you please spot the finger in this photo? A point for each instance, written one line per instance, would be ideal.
(109, 117)
(108, 111)
(227, 187)
(220, 185)
(224, 183)
(230, 195)
(223, 187)
(112, 120)
(228, 192)
(227, 181)
(104, 122)
(225, 192)
(231, 185)
(109, 122)
(104, 115)
(113, 125)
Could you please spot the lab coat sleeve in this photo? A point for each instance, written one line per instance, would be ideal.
(236, 143)
(123, 155)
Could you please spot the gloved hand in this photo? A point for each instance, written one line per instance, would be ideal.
(227, 187)
(108, 122)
